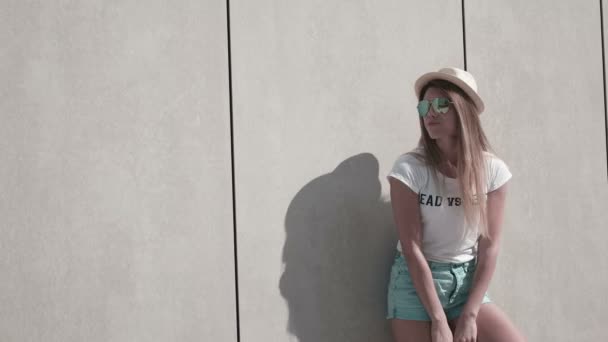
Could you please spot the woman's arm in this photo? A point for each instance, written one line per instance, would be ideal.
(487, 252)
(406, 212)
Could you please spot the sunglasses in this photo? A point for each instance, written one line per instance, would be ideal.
(440, 105)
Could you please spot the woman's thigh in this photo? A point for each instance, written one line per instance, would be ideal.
(411, 331)
(493, 325)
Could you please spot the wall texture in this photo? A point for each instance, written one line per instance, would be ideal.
(116, 206)
(540, 66)
(122, 122)
(323, 101)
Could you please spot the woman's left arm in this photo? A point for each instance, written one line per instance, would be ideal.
(487, 252)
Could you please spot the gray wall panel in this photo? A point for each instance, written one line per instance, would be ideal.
(116, 212)
(323, 103)
(540, 64)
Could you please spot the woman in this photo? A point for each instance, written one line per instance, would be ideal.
(448, 237)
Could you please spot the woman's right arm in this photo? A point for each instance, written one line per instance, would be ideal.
(406, 213)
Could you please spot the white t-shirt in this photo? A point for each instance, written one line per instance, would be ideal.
(442, 214)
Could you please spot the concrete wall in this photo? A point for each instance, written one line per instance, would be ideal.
(116, 206)
(322, 103)
(540, 66)
(117, 202)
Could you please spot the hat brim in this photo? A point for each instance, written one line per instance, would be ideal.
(434, 75)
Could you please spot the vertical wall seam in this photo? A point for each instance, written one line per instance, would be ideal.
(234, 230)
(464, 37)
(604, 85)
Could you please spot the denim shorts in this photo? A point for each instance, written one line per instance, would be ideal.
(452, 283)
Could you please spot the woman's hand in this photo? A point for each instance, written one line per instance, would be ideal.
(440, 331)
(466, 330)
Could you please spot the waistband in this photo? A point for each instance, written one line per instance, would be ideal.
(450, 265)
(446, 265)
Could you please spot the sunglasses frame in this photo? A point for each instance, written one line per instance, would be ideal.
(434, 102)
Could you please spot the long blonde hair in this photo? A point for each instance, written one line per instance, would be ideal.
(472, 148)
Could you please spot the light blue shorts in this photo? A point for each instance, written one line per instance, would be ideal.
(452, 282)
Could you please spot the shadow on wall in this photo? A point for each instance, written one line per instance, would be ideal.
(337, 256)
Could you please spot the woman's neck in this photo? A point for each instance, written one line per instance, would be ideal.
(449, 149)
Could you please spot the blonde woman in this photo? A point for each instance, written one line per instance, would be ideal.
(449, 237)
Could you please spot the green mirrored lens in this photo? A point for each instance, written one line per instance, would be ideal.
(423, 108)
(441, 105)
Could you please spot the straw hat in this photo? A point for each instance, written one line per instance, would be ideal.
(461, 78)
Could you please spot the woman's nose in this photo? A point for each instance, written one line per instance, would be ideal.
(433, 113)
